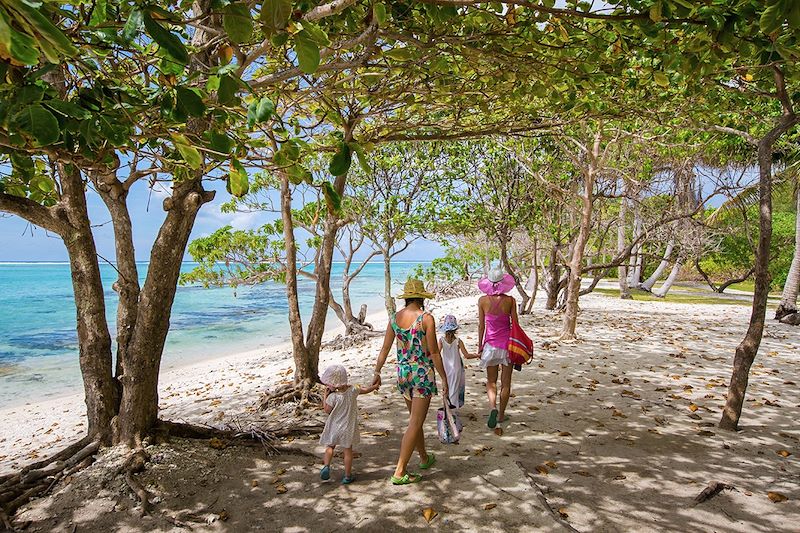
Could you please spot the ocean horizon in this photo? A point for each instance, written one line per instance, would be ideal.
(38, 341)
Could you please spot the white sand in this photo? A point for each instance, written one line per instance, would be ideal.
(620, 425)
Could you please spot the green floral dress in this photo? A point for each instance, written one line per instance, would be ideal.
(415, 374)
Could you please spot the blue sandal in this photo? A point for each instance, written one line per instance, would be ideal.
(492, 419)
(346, 480)
(325, 473)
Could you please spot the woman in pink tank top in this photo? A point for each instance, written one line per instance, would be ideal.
(496, 311)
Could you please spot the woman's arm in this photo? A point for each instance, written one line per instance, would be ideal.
(514, 316)
(388, 339)
(481, 324)
(429, 323)
(365, 390)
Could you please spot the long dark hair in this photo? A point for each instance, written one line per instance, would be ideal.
(418, 301)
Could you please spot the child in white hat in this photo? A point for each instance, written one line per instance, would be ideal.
(451, 348)
(341, 427)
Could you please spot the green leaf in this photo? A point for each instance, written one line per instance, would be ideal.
(166, 39)
(189, 153)
(22, 48)
(299, 174)
(399, 54)
(46, 29)
(37, 122)
(221, 143)
(68, 109)
(190, 101)
(332, 198)
(132, 26)
(379, 12)
(99, 12)
(237, 22)
(307, 52)
(361, 157)
(316, 34)
(279, 39)
(238, 182)
(655, 12)
(341, 160)
(772, 18)
(661, 79)
(794, 15)
(228, 85)
(275, 15)
(264, 110)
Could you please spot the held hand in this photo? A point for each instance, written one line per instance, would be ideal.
(376, 382)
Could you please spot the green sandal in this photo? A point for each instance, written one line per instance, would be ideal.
(492, 419)
(429, 463)
(406, 479)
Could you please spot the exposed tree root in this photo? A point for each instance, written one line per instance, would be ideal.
(305, 394)
(133, 465)
(39, 478)
(345, 342)
(543, 500)
(713, 488)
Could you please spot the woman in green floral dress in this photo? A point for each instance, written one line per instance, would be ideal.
(417, 356)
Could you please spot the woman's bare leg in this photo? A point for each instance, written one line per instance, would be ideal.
(413, 436)
(491, 386)
(505, 389)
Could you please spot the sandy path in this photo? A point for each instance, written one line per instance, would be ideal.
(621, 427)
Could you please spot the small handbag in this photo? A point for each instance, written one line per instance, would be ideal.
(448, 424)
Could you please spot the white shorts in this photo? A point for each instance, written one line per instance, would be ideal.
(492, 356)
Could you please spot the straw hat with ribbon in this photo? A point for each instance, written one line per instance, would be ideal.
(496, 282)
(414, 288)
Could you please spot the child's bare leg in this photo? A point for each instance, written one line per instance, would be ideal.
(348, 461)
(329, 454)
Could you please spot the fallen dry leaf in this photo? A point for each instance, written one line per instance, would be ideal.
(488, 506)
(223, 515)
(776, 497)
(583, 473)
(705, 433)
(542, 470)
(254, 483)
(215, 443)
(565, 434)
(429, 514)
(280, 472)
(562, 511)
(784, 453)
(281, 489)
(551, 464)
(620, 477)
(692, 407)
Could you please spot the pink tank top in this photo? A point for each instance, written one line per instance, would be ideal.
(498, 326)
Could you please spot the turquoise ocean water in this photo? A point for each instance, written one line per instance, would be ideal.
(38, 342)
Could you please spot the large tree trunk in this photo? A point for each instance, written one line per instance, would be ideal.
(747, 349)
(139, 407)
(788, 303)
(659, 271)
(622, 270)
(94, 339)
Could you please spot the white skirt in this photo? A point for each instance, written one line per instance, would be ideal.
(492, 356)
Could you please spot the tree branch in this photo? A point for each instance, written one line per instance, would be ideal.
(33, 212)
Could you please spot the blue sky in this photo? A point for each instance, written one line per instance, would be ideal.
(19, 241)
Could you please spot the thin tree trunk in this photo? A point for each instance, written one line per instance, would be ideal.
(635, 274)
(659, 271)
(576, 259)
(673, 275)
(788, 303)
(523, 304)
(622, 270)
(387, 283)
(553, 278)
(747, 349)
(533, 279)
(94, 338)
(115, 195)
